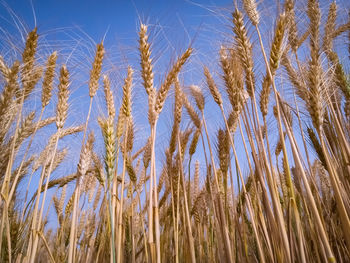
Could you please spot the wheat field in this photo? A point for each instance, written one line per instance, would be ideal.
(266, 180)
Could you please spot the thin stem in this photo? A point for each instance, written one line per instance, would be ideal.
(120, 215)
(37, 228)
(76, 197)
(261, 254)
(187, 214)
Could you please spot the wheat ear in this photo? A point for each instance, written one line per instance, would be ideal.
(48, 79)
(109, 97)
(62, 105)
(244, 49)
(96, 69)
(275, 55)
(251, 9)
(169, 80)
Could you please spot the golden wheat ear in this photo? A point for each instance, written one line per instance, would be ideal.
(48, 79)
(126, 104)
(146, 60)
(212, 87)
(62, 105)
(95, 72)
(109, 97)
(251, 9)
(291, 24)
(85, 155)
(198, 96)
(28, 55)
(7, 94)
(191, 112)
(169, 80)
(275, 55)
(108, 132)
(244, 49)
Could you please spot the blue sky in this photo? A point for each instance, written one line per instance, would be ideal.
(78, 25)
(173, 26)
(74, 27)
(119, 16)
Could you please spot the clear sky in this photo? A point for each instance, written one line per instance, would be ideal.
(173, 25)
(119, 17)
(74, 27)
